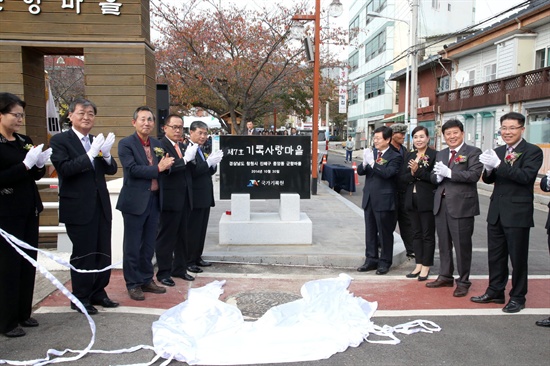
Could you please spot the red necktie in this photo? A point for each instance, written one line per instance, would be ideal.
(379, 155)
(453, 153)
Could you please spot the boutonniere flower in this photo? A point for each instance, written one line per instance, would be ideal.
(28, 147)
(423, 160)
(381, 161)
(461, 159)
(100, 155)
(510, 158)
(159, 152)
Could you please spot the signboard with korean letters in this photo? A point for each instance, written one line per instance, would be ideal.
(265, 166)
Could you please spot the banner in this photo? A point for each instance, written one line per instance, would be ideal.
(343, 91)
(52, 117)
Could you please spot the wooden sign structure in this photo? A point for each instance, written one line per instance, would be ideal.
(112, 36)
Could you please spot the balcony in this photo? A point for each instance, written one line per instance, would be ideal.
(531, 85)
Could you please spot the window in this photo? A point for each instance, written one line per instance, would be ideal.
(375, 86)
(490, 72)
(353, 62)
(443, 84)
(541, 59)
(352, 95)
(354, 28)
(471, 78)
(435, 4)
(449, 7)
(375, 46)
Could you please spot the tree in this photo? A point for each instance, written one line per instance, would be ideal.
(229, 60)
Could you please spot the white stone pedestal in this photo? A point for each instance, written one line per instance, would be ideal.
(287, 227)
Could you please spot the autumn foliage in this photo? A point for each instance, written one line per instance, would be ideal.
(229, 60)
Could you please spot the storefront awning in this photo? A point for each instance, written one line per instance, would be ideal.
(398, 117)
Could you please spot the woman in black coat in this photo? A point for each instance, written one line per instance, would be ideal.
(21, 164)
(419, 201)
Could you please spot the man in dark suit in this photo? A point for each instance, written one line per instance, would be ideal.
(250, 130)
(143, 160)
(545, 186)
(176, 202)
(81, 161)
(203, 199)
(456, 172)
(399, 130)
(512, 168)
(380, 168)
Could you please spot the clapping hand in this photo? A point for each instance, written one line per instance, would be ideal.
(489, 159)
(548, 179)
(43, 158)
(190, 152)
(442, 170)
(107, 145)
(214, 158)
(32, 156)
(368, 157)
(165, 163)
(96, 146)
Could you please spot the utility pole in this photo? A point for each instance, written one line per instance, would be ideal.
(414, 67)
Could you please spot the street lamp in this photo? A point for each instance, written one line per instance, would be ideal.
(412, 89)
(335, 10)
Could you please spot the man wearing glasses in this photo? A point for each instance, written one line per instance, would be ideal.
(512, 168)
(176, 202)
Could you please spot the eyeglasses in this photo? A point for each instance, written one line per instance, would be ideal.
(511, 129)
(175, 128)
(17, 115)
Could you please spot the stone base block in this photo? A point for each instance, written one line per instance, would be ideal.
(266, 229)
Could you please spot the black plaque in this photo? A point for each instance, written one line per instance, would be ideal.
(265, 166)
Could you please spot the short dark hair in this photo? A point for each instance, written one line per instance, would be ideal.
(386, 132)
(514, 115)
(170, 116)
(83, 102)
(8, 101)
(141, 109)
(198, 124)
(452, 123)
(420, 128)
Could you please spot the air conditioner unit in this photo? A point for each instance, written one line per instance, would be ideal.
(423, 102)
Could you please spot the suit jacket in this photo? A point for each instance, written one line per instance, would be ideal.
(421, 180)
(138, 174)
(461, 189)
(512, 197)
(177, 183)
(18, 191)
(381, 181)
(203, 188)
(80, 182)
(545, 186)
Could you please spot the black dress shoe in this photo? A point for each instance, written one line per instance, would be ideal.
(167, 282)
(194, 269)
(382, 270)
(461, 291)
(15, 332)
(31, 322)
(367, 266)
(89, 308)
(485, 299)
(440, 283)
(413, 275)
(107, 303)
(543, 322)
(203, 263)
(513, 307)
(184, 276)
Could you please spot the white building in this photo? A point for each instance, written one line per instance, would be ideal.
(378, 47)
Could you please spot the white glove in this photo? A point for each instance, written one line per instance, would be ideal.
(43, 158)
(190, 153)
(443, 170)
(548, 178)
(489, 159)
(96, 146)
(368, 157)
(32, 156)
(438, 178)
(107, 145)
(214, 158)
